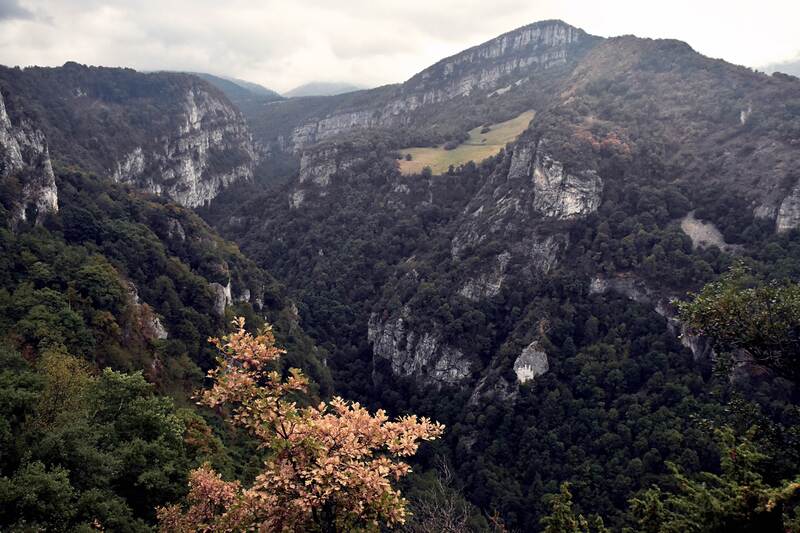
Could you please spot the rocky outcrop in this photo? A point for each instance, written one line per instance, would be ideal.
(515, 204)
(222, 297)
(318, 165)
(422, 355)
(555, 193)
(175, 230)
(638, 291)
(542, 45)
(629, 286)
(145, 321)
(531, 363)
(209, 148)
(788, 216)
(24, 155)
(491, 387)
(559, 194)
(296, 198)
(487, 283)
(705, 234)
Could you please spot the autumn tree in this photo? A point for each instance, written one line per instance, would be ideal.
(330, 465)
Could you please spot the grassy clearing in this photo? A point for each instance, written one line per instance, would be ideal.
(478, 147)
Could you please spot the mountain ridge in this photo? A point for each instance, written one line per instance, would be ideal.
(171, 134)
(541, 47)
(525, 300)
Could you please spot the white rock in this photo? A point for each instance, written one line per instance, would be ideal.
(531, 363)
(789, 211)
(222, 297)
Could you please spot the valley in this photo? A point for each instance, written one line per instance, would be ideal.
(594, 291)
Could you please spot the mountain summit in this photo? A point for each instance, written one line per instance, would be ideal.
(715, 122)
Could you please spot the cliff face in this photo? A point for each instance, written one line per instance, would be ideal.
(637, 290)
(516, 206)
(485, 71)
(538, 46)
(208, 148)
(531, 363)
(24, 156)
(170, 134)
(422, 355)
(634, 99)
(788, 216)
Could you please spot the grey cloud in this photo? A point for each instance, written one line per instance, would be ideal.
(10, 9)
(284, 43)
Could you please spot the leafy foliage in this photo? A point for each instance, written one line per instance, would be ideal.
(738, 500)
(761, 320)
(330, 466)
(82, 448)
(562, 518)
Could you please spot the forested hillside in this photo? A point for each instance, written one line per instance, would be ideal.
(527, 301)
(107, 298)
(134, 286)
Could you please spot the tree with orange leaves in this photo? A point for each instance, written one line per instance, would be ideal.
(330, 466)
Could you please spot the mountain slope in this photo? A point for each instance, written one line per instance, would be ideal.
(714, 123)
(171, 134)
(108, 295)
(525, 300)
(441, 102)
(239, 91)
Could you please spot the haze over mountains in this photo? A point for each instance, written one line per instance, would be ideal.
(525, 300)
(322, 88)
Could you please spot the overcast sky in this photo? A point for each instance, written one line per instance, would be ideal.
(283, 43)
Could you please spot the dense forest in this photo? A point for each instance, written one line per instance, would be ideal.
(623, 398)
(119, 282)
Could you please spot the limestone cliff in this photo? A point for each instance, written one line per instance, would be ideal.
(488, 281)
(206, 150)
(170, 134)
(788, 216)
(24, 156)
(516, 204)
(422, 355)
(489, 69)
(531, 363)
(319, 164)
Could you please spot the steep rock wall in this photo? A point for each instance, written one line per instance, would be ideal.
(515, 205)
(482, 69)
(206, 151)
(24, 155)
(422, 355)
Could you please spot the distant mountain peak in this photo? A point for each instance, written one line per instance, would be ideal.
(239, 90)
(322, 88)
